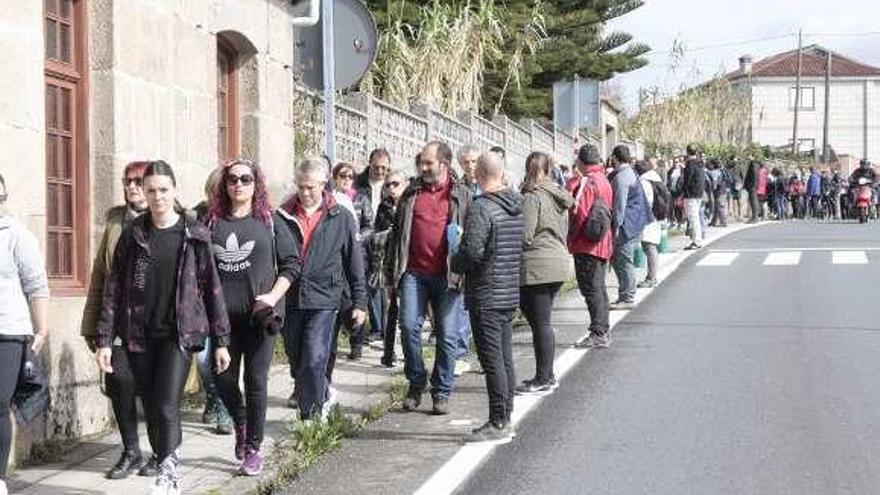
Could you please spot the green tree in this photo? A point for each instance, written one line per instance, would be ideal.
(542, 42)
(576, 44)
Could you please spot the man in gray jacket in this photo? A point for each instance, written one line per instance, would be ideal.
(630, 214)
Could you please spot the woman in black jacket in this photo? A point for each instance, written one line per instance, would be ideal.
(344, 178)
(395, 184)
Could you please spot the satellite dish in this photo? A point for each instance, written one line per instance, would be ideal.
(355, 45)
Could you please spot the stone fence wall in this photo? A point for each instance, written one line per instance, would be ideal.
(364, 122)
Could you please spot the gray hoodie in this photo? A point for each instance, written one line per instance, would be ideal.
(22, 277)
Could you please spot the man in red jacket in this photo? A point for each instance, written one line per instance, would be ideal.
(587, 184)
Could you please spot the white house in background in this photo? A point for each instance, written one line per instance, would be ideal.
(854, 116)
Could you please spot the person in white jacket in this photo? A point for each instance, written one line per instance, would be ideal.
(24, 309)
(652, 233)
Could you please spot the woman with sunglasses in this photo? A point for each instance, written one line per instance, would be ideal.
(163, 301)
(24, 308)
(395, 184)
(257, 262)
(120, 387)
(343, 178)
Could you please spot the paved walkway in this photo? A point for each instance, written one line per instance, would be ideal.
(393, 455)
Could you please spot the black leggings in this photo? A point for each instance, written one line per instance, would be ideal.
(160, 375)
(536, 302)
(10, 366)
(391, 318)
(121, 390)
(256, 347)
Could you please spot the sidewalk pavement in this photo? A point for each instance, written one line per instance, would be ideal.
(395, 454)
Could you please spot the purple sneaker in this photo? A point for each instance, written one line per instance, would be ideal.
(253, 463)
(240, 439)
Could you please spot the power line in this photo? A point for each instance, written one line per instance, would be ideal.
(765, 39)
(727, 44)
(865, 33)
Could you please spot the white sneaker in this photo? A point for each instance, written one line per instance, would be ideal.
(462, 366)
(167, 482)
(3, 488)
(332, 400)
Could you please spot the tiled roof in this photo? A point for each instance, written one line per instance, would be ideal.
(813, 63)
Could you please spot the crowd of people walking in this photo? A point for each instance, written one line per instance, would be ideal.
(376, 255)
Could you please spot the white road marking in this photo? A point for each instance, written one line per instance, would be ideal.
(804, 249)
(468, 458)
(783, 258)
(718, 259)
(849, 258)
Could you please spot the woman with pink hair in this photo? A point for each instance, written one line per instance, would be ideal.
(257, 262)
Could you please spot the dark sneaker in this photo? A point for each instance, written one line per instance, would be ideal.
(490, 433)
(593, 341)
(647, 284)
(150, 468)
(533, 387)
(240, 439)
(225, 424)
(129, 462)
(253, 463)
(441, 406)
(355, 354)
(209, 415)
(622, 306)
(292, 401)
(388, 361)
(413, 399)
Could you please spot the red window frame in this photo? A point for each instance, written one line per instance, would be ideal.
(67, 163)
(227, 101)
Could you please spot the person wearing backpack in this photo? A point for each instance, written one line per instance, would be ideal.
(631, 213)
(721, 180)
(658, 197)
(590, 240)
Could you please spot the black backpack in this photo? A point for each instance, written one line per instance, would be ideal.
(662, 201)
(599, 219)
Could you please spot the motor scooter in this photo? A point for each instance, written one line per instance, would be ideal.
(864, 199)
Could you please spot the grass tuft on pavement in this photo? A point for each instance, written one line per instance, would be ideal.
(306, 442)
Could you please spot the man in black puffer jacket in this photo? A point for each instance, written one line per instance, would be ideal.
(490, 255)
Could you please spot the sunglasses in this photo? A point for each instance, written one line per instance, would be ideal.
(392, 184)
(245, 180)
(137, 181)
(345, 176)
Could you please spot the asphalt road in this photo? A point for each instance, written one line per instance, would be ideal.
(744, 378)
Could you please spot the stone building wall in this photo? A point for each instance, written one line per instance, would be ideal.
(152, 81)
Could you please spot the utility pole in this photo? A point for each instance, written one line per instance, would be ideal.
(795, 149)
(329, 82)
(826, 145)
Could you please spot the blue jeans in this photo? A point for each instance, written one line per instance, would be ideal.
(416, 291)
(463, 345)
(308, 335)
(625, 269)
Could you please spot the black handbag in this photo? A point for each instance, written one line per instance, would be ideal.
(31, 397)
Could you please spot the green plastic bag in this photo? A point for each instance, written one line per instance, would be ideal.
(639, 258)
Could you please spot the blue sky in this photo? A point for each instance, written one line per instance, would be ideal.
(758, 27)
